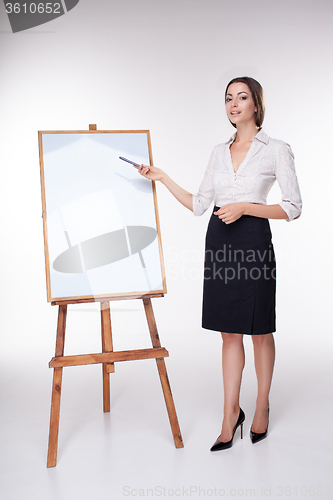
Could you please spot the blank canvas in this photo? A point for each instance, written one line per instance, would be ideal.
(101, 228)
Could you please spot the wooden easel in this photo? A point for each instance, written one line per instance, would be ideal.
(107, 357)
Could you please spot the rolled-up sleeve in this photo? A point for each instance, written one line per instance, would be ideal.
(204, 197)
(286, 177)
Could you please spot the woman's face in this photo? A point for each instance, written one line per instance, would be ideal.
(239, 104)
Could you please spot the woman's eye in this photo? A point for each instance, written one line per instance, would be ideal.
(244, 98)
(227, 99)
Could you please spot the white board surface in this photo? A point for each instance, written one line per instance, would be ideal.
(101, 227)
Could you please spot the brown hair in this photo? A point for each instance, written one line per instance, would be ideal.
(257, 96)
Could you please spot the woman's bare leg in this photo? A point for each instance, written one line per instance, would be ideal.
(264, 357)
(233, 360)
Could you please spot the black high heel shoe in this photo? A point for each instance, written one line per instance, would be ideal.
(258, 437)
(218, 445)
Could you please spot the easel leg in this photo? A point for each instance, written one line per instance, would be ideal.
(163, 375)
(106, 347)
(56, 390)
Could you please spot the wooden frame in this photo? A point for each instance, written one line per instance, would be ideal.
(114, 294)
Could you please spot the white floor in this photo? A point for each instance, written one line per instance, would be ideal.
(130, 451)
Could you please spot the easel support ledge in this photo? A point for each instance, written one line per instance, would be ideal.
(104, 299)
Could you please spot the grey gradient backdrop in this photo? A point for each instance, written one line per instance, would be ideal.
(163, 66)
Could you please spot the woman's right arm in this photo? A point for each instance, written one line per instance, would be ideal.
(198, 203)
(156, 174)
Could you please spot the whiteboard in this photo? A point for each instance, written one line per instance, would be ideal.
(101, 227)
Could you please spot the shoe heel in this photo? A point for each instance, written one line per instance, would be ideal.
(241, 426)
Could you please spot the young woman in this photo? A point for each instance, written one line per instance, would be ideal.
(239, 284)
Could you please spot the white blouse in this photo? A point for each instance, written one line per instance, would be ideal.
(267, 159)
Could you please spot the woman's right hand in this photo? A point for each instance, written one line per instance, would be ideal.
(156, 174)
(150, 172)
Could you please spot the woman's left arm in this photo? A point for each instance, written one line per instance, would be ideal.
(233, 211)
(266, 211)
(287, 179)
(289, 208)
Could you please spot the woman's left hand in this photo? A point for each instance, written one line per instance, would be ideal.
(231, 212)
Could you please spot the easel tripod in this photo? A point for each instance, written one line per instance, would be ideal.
(107, 357)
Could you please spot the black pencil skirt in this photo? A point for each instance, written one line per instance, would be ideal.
(239, 276)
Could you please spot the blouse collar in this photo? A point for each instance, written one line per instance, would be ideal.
(261, 136)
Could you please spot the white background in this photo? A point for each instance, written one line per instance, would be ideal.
(163, 66)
